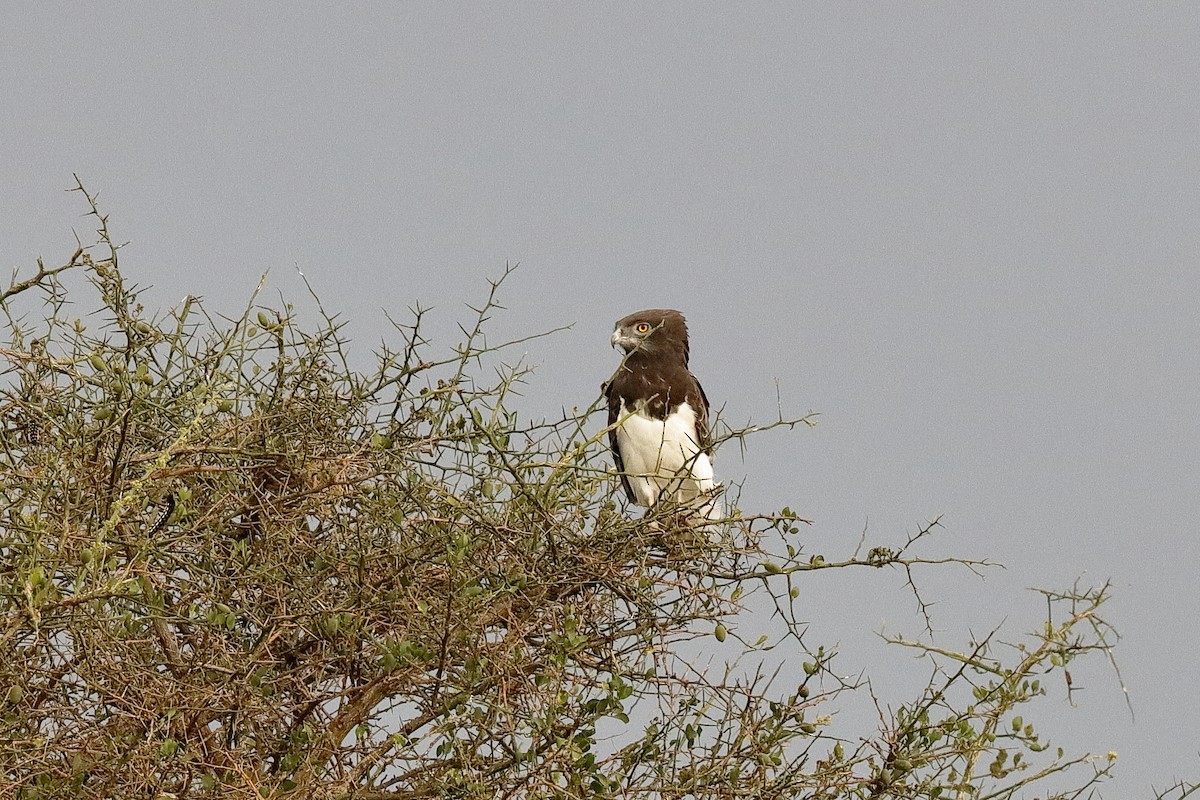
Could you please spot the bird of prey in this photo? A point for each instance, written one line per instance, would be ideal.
(658, 415)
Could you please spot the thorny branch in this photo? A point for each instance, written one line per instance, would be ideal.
(233, 566)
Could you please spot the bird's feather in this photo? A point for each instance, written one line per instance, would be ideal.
(662, 457)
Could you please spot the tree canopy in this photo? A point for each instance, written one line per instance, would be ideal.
(234, 565)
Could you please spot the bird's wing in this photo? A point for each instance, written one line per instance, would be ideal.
(702, 437)
(614, 414)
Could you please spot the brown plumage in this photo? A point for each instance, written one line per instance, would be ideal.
(657, 411)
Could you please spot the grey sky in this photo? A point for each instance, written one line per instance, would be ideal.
(966, 234)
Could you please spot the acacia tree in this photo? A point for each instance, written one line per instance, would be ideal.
(231, 565)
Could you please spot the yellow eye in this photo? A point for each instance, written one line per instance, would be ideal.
(643, 327)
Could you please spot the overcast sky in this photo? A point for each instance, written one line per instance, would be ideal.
(965, 233)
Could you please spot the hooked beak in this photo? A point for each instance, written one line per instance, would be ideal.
(626, 343)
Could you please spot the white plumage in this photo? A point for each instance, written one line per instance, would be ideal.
(663, 458)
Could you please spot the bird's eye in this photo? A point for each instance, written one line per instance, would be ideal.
(643, 327)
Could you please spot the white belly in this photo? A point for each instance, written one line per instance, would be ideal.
(662, 457)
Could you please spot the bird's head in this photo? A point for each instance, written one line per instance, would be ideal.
(652, 332)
